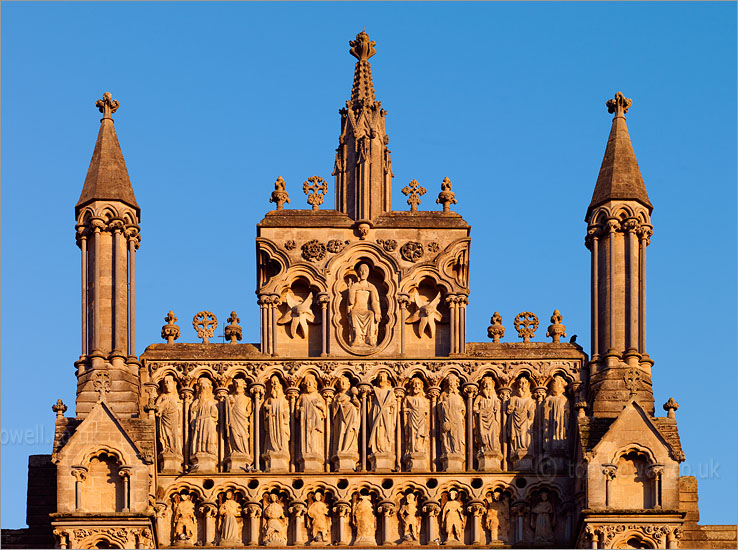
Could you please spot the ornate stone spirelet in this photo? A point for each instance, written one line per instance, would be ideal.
(413, 191)
(496, 330)
(526, 323)
(556, 330)
(362, 48)
(280, 194)
(446, 197)
(619, 105)
(315, 188)
(107, 105)
(170, 331)
(205, 324)
(233, 331)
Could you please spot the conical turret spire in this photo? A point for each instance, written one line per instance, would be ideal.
(107, 177)
(619, 178)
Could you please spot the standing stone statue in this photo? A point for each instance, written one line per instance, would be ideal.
(364, 521)
(346, 423)
(204, 430)
(167, 412)
(415, 421)
(452, 412)
(184, 519)
(555, 418)
(275, 523)
(541, 521)
(276, 413)
(384, 420)
(409, 515)
(521, 410)
(230, 510)
(453, 519)
(311, 413)
(239, 411)
(320, 526)
(364, 311)
(497, 517)
(487, 412)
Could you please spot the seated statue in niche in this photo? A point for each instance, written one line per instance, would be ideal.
(184, 519)
(275, 523)
(364, 311)
(276, 414)
(451, 413)
(365, 522)
(521, 410)
(311, 413)
(167, 413)
(555, 418)
(204, 428)
(346, 423)
(453, 519)
(383, 414)
(229, 512)
(487, 412)
(320, 523)
(541, 519)
(411, 520)
(416, 416)
(239, 410)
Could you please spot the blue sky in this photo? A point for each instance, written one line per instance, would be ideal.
(506, 99)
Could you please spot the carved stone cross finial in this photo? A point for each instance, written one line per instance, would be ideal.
(556, 330)
(170, 331)
(526, 323)
(59, 408)
(670, 407)
(619, 105)
(101, 383)
(233, 332)
(315, 187)
(446, 197)
(496, 330)
(280, 194)
(413, 191)
(362, 48)
(107, 105)
(205, 324)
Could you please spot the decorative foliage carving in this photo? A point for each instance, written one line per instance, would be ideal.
(290, 245)
(433, 247)
(496, 330)
(170, 331)
(101, 383)
(619, 105)
(388, 245)
(107, 105)
(556, 330)
(670, 407)
(632, 379)
(313, 251)
(412, 251)
(334, 246)
(280, 195)
(446, 197)
(205, 324)
(59, 408)
(233, 331)
(362, 48)
(413, 191)
(526, 323)
(315, 188)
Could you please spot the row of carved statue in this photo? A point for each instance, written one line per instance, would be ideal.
(363, 520)
(376, 426)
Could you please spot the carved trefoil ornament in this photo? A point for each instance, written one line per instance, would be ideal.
(315, 188)
(526, 323)
(413, 191)
(205, 323)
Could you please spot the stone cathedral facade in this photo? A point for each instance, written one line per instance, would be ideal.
(363, 417)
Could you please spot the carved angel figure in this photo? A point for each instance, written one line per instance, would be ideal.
(276, 419)
(320, 527)
(239, 409)
(167, 411)
(184, 519)
(204, 415)
(452, 519)
(364, 311)
(299, 314)
(229, 530)
(409, 514)
(427, 313)
(275, 523)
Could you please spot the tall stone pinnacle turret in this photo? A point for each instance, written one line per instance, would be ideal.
(619, 229)
(363, 169)
(108, 235)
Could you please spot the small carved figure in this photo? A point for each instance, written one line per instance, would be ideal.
(427, 313)
(521, 410)
(541, 521)
(204, 415)
(384, 415)
(230, 510)
(416, 418)
(555, 417)
(298, 315)
(275, 523)
(240, 409)
(409, 514)
(364, 520)
(276, 419)
(487, 409)
(320, 527)
(346, 419)
(167, 411)
(184, 519)
(364, 310)
(453, 519)
(497, 518)
(311, 412)
(452, 412)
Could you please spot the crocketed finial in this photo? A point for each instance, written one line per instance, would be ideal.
(107, 105)
(362, 48)
(619, 105)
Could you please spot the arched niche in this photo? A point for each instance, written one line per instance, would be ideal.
(299, 316)
(103, 488)
(632, 486)
(427, 322)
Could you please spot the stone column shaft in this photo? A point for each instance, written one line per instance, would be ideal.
(642, 316)
(83, 247)
(611, 293)
(96, 344)
(132, 298)
(595, 296)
